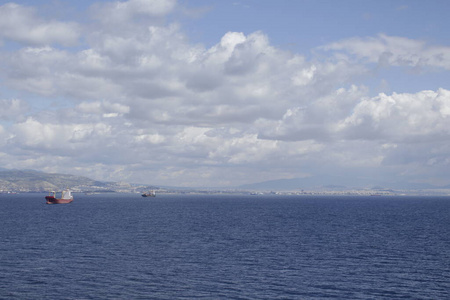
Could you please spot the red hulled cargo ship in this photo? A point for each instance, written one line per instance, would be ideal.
(66, 197)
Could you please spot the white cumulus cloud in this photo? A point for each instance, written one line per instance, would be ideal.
(21, 24)
(394, 51)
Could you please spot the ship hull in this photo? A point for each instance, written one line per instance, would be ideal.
(53, 200)
(149, 194)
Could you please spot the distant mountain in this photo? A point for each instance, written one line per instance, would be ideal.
(331, 183)
(279, 184)
(36, 181)
(29, 180)
(327, 182)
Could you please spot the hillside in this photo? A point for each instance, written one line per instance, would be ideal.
(333, 183)
(34, 181)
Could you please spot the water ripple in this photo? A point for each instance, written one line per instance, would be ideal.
(219, 247)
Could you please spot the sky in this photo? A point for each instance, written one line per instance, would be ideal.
(209, 93)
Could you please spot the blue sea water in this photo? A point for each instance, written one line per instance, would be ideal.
(123, 246)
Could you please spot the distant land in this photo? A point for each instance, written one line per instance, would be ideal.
(36, 181)
(318, 183)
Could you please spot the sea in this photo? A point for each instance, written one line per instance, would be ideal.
(124, 246)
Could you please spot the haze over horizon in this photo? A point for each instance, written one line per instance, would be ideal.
(200, 93)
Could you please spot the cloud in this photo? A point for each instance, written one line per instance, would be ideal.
(103, 107)
(412, 118)
(53, 137)
(317, 120)
(122, 12)
(140, 101)
(12, 109)
(21, 24)
(394, 51)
